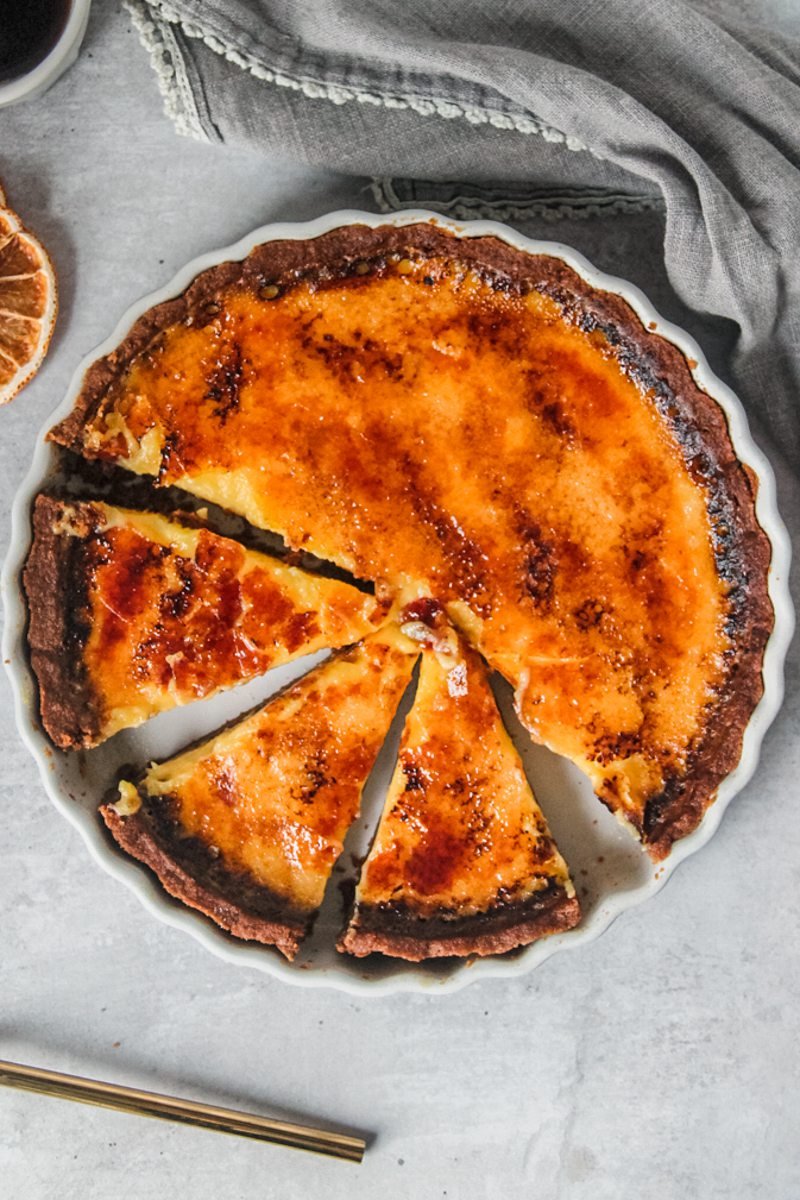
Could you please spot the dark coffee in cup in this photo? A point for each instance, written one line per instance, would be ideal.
(29, 29)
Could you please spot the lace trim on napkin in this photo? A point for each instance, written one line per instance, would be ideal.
(167, 62)
(153, 17)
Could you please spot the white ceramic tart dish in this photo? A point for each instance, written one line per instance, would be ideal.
(610, 869)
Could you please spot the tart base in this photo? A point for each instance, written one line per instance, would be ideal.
(400, 933)
(52, 580)
(276, 925)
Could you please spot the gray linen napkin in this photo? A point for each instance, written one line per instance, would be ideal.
(663, 137)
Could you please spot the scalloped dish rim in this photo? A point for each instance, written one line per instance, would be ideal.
(407, 977)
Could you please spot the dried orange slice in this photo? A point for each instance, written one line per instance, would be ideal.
(28, 304)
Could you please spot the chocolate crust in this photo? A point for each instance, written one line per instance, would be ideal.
(397, 931)
(54, 582)
(232, 900)
(742, 549)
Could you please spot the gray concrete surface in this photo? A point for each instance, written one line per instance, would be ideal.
(659, 1062)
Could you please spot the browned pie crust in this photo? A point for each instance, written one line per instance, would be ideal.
(188, 871)
(54, 586)
(741, 548)
(399, 932)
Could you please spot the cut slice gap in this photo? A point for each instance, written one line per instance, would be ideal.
(462, 862)
(247, 826)
(342, 883)
(177, 730)
(627, 781)
(602, 855)
(133, 613)
(95, 479)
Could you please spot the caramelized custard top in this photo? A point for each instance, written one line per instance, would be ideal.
(431, 431)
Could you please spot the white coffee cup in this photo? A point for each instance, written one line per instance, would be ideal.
(39, 78)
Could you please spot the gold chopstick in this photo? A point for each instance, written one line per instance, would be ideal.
(189, 1112)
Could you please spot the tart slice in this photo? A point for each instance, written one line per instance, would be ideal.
(132, 613)
(247, 827)
(462, 862)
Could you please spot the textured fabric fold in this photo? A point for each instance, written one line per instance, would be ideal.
(624, 108)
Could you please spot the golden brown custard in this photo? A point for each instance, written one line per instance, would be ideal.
(166, 613)
(462, 854)
(269, 801)
(439, 421)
